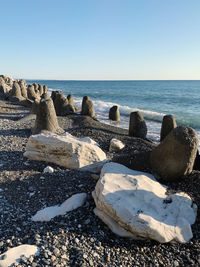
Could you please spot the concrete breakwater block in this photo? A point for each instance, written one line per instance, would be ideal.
(175, 155)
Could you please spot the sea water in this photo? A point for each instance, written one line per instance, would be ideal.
(153, 98)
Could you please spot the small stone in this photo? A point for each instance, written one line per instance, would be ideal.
(76, 240)
(91, 262)
(31, 259)
(176, 263)
(53, 258)
(56, 251)
(87, 221)
(64, 248)
(48, 169)
(84, 256)
(92, 239)
(31, 189)
(1, 243)
(46, 255)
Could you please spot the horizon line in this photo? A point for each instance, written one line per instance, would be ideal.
(43, 79)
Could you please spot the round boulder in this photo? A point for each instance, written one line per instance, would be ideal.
(175, 155)
(137, 125)
(114, 113)
(168, 124)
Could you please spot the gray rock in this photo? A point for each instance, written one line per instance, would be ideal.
(114, 113)
(168, 124)
(175, 156)
(137, 125)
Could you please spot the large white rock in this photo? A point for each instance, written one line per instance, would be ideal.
(14, 255)
(67, 151)
(133, 204)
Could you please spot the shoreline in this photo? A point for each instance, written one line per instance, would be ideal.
(79, 235)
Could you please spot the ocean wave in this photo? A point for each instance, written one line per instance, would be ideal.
(102, 110)
(102, 107)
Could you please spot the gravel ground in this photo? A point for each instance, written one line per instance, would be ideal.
(79, 238)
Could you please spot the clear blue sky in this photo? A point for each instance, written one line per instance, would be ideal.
(100, 39)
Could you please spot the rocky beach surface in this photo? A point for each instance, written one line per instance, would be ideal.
(78, 238)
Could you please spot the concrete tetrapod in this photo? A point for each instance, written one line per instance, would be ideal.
(46, 119)
(175, 155)
(168, 124)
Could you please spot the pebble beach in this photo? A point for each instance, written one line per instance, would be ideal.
(78, 238)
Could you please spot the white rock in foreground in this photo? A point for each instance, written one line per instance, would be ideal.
(134, 204)
(13, 255)
(67, 151)
(115, 145)
(70, 204)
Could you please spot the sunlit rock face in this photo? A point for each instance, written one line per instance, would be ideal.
(133, 204)
(67, 151)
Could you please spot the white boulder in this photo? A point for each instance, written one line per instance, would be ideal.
(66, 150)
(115, 145)
(14, 255)
(70, 204)
(133, 204)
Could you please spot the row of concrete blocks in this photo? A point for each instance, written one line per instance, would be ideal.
(20, 92)
(137, 126)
